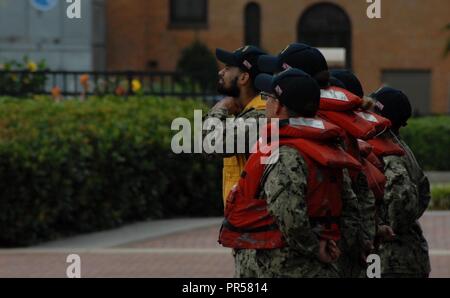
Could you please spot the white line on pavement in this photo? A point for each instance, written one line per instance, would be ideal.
(439, 252)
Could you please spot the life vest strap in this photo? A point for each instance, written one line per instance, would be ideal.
(265, 228)
(324, 220)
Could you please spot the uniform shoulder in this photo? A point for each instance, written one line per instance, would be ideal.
(394, 161)
(288, 152)
(253, 113)
(291, 159)
(395, 165)
(287, 160)
(287, 173)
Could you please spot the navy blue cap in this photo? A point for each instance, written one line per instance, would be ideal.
(245, 58)
(393, 104)
(295, 55)
(350, 81)
(336, 82)
(294, 88)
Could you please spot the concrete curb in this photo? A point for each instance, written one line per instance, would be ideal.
(130, 233)
(438, 177)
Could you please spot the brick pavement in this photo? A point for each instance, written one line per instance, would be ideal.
(193, 253)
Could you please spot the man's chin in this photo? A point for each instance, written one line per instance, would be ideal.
(222, 91)
(227, 92)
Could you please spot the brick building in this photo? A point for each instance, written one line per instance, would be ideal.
(404, 48)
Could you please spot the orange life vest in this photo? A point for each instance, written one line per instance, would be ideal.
(341, 107)
(338, 99)
(385, 146)
(248, 224)
(371, 168)
(375, 161)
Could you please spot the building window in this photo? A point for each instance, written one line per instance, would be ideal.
(252, 21)
(327, 27)
(416, 84)
(188, 13)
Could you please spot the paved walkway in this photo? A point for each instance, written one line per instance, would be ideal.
(169, 248)
(438, 177)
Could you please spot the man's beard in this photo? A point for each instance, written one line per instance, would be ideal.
(233, 91)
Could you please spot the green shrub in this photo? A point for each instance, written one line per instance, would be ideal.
(74, 167)
(429, 139)
(440, 197)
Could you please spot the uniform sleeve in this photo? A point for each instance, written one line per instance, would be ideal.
(243, 130)
(350, 218)
(285, 190)
(424, 195)
(366, 206)
(417, 176)
(400, 196)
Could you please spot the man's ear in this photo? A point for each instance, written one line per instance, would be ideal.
(244, 78)
(279, 109)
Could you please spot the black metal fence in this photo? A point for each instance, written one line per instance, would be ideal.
(74, 83)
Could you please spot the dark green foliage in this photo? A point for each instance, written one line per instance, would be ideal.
(199, 64)
(429, 138)
(76, 167)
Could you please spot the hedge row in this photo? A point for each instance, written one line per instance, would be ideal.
(75, 167)
(429, 138)
(440, 197)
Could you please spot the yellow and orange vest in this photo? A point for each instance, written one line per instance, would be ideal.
(233, 166)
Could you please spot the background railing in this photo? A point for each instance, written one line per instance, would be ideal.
(73, 83)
